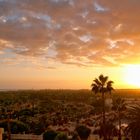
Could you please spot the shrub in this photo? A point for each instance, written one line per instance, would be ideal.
(83, 132)
(16, 126)
(49, 135)
(61, 136)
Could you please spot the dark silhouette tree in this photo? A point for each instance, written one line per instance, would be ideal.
(83, 132)
(16, 126)
(61, 136)
(49, 135)
(102, 85)
(119, 106)
(75, 136)
(134, 122)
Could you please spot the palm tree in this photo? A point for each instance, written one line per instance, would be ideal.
(134, 122)
(102, 85)
(119, 106)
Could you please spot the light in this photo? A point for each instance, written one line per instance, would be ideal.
(132, 75)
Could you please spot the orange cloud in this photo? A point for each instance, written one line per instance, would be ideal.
(102, 32)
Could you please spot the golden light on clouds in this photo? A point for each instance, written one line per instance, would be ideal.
(60, 41)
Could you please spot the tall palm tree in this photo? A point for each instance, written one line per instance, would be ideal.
(119, 106)
(134, 122)
(102, 85)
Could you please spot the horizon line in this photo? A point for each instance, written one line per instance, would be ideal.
(20, 89)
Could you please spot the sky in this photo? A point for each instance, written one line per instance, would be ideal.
(65, 44)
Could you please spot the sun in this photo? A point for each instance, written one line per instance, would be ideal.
(132, 75)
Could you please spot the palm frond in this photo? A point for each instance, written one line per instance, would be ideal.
(97, 82)
(134, 122)
(103, 79)
(95, 88)
(109, 83)
(103, 84)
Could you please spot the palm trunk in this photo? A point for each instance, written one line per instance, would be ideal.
(119, 137)
(9, 127)
(104, 119)
(103, 108)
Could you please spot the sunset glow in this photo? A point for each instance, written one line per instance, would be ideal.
(67, 43)
(132, 75)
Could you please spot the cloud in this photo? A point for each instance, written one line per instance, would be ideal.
(77, 32)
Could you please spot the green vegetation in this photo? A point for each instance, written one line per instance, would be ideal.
(33, 111)
(133, 128)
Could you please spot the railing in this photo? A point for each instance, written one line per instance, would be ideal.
(26, 137)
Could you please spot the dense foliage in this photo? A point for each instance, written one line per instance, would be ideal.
(33, 111)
